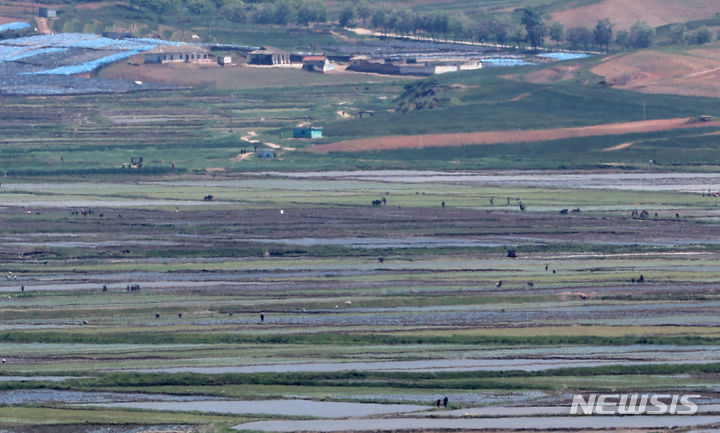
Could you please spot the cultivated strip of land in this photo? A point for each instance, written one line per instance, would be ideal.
(495, 137)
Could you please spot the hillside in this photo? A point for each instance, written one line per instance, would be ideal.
(538, 114)
(626, 13)
(693, 72)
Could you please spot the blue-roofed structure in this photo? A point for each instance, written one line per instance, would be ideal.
(14, 26)
(27, 63)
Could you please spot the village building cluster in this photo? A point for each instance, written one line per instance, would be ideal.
(268, 56)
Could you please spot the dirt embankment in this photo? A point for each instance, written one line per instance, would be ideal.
(496, 137)
(43, 26)
(695, 72)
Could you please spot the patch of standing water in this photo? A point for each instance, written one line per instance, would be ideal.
(469, 398)
(371, 243)
(660, 181)
(320, 409)
(419, 366)
(35, 378)
(41, 396)
(563, 56)
(524, 423)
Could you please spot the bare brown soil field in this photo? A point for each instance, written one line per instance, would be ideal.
(229, 77)
(15, 8)
(43, 26)
(696, 72)
(98, 5)
(182, 75)
(553, 74)
(626, 13)
(495, 137)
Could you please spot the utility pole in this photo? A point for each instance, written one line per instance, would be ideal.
(644, 111)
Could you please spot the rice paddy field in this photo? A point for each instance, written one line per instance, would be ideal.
(289, 302)
(157, 275)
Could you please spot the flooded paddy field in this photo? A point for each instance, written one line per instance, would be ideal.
(315, 409)
(513, 424)
(279, 294)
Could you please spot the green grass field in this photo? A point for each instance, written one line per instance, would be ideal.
(99, 138)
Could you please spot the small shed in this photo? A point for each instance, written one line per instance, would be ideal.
(224, 60)
(47, 12)
(307, 132)
(317, 64)
(265, 153)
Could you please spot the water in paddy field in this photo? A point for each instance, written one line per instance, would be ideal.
(435, 365)
(529, 423)
(319, 409)
(690, 182)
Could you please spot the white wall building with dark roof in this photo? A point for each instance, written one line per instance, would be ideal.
(178, 54)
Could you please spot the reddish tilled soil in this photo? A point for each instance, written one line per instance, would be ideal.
(697, 72)
(624, 14)
(494, 137)
(14, 8)
(552, 74)
(98, 5)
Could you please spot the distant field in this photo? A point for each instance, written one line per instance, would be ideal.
(327, 278)
(236, 77)
(339, 324)
(204, 129)
(624, 14)
(691, 72)
(496, 137)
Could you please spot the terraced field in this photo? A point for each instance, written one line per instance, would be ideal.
(281, 299)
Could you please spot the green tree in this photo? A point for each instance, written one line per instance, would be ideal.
(641, 35)
(603, 33)
(379, 20)
(158, 6)
(517, 36)
(702, 36)
(363, 11)
(534, 27)
(678, 34)
(283, 13)
(347, 16)
(579, 37)
(440, 23)
(501, 31)
(311, 12)
(460, 26)
(622, 38)
(236, 14)
(557, 32)
(235, 11)
(483, 31)
(405, 21)
(199, 7)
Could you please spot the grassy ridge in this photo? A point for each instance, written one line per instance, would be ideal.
(339, 338)
(97, 140)
(453, 380)
(487, 102)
